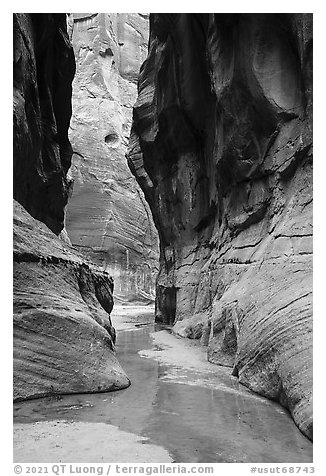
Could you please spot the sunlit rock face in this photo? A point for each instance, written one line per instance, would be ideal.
(221, 145)
(43, 70)
(107, 216)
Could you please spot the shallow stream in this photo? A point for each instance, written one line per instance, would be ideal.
(196, 417)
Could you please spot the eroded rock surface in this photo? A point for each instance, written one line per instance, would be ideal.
(107, 215)
(63, 337)
(221, 145)
(44, 67)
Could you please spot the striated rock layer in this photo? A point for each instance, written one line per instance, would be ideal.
(107, 215)
(221, 145)
(44, 67)
(63, 337)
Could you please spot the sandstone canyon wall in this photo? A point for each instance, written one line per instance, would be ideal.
(221, 145)
(107, 215)
(44, 67)
(63, 337)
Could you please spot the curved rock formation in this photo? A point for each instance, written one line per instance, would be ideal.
(63, 337)
(221, 145)
(44, 67)
(107, 215)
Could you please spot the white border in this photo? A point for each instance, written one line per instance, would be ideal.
(318, 8)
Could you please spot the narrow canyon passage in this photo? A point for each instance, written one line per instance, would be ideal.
(167, 159)
(179, 408)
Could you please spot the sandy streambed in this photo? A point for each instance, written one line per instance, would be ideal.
(82, 442)
(179, 408)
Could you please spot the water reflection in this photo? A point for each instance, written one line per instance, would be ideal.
(194, 423)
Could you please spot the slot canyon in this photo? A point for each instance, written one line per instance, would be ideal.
(162, 237)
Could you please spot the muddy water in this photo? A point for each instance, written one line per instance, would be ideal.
(193, 422)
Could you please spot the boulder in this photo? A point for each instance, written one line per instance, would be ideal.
(63, 336)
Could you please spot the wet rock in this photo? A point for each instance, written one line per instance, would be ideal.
(221, 145)
(108, 216)
(44, 67)
(63, 336)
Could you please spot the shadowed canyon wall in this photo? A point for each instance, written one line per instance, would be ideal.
(44, 67)
(221, 145)
(107, 216)
(63, 337)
